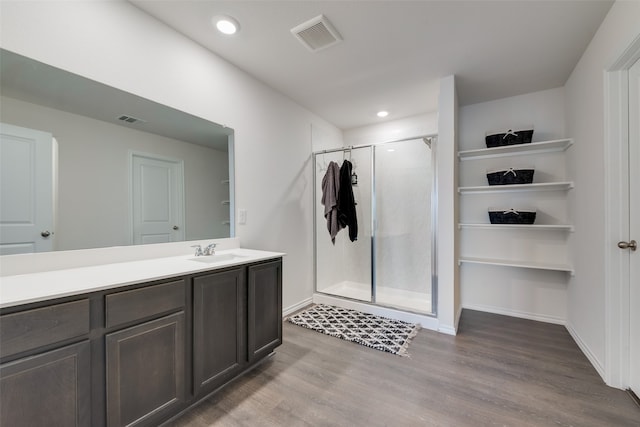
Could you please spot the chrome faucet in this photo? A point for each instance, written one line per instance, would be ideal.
(210, 249)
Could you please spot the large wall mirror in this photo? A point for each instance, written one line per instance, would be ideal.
(118, 169)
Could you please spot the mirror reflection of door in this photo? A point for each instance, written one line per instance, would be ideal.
(157, 199)
(26, 190)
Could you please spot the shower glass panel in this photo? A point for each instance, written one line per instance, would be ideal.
(344, 269)
(403, 241)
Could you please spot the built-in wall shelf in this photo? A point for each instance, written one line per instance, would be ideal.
(226, 222)
(542, 186)
(508, 150)
(225, 181)
(225, 202)
(519, 264)
(558, 227)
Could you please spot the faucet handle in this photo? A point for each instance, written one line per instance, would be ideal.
(210, 249)
(198, 250)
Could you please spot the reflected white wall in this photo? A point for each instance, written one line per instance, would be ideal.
(97, 152)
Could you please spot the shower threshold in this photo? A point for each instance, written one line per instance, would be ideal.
(409, 306)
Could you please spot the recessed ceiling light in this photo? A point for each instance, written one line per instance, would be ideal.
(383, 113)
(226, 24)
(391, 150)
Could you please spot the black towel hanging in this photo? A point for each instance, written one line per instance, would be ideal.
(346, 202)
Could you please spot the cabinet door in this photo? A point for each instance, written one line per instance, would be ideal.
(218, 328)
(145, 371)
(265, 309)
(48, 389)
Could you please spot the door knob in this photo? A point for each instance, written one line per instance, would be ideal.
(175, 227)
(45, 234)
(633, 245)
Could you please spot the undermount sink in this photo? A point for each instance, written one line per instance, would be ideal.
(212, 259)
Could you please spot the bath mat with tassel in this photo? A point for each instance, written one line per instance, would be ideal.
(380, 333)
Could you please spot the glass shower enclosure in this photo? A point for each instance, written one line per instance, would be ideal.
(392, 261)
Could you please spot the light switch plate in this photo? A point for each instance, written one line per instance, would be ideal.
(242, 216)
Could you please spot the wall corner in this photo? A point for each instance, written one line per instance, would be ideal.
(447, 210)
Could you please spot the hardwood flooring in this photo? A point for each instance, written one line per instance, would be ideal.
(498, 371)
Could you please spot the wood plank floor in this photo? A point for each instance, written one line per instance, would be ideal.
(498, 371)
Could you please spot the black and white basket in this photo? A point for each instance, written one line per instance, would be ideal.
(510, 176)
(509, 137)
(511, 216)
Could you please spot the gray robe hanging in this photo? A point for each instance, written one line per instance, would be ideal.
(330, 190)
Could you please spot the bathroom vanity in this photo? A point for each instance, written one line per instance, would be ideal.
(133, 343)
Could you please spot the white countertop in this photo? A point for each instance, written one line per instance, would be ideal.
(28, 288)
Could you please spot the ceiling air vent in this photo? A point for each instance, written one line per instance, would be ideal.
(130, 119)
(317, 34)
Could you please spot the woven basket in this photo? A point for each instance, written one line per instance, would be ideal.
(508, 137)
(510, 176)
(511, 216)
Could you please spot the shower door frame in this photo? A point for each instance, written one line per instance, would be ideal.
(433, 141)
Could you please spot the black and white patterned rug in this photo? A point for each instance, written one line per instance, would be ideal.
(381, 333)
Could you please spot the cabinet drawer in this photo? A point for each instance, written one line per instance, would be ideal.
(128, 306)
(39, 327)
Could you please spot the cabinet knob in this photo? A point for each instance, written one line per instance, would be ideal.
(633, 245)
(175, 227)
(45, 234)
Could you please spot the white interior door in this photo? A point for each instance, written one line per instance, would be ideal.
(634, 226)
(157, 199)
(26, 190)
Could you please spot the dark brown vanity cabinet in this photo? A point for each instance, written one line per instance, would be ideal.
(264, 309)
(47, 389)
(237, 320)
(219, 328)
(46, 366)
(139, 355)
(145, 371)
(145, 362)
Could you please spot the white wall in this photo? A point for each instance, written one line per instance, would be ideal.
(447, 175)
(533, 294)
(93, 179)
(585, 122)
(393, 130)
(118, 45)
(544, 110)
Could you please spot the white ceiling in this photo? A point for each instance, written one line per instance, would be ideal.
(394, 52)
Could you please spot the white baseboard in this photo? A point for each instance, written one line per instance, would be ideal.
(449, 330)
(516, 313)
(295, 307)
(587, 352)
(427, 322)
